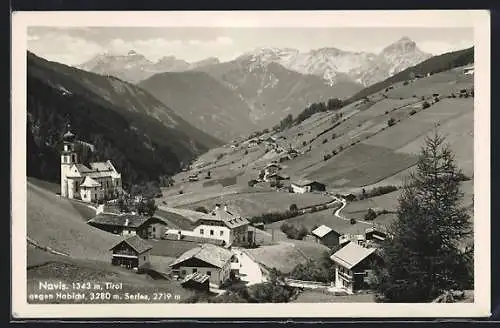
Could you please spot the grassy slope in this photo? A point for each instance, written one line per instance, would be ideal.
(47, 267)
(54, 222)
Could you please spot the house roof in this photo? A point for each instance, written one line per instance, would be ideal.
(322, 231)
(100, 166)
(195, 239)
(126, 220)
(351, 255)
(302, 182)
(231, 220)
(89, 182)
(214, 255)
(137, 243)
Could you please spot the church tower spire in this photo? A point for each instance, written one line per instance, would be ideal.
(68, 158)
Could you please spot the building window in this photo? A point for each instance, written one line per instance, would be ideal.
(202, 232)
(209, 273)
(195, 270)
(221, 232)
(144, 258)
(211, 232)
(154, 229)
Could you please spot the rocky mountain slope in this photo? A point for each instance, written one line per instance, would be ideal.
(203, 101)
(143, 137)
(335, 65)
(135, 67)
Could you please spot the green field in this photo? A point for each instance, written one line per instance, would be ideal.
(311, 220)
(53, 221)
(285, 256)
(372, 164)
(252, 204)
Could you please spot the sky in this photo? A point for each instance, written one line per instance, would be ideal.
(75, 45)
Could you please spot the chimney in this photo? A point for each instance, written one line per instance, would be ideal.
(179, 235)
(126, 222)
(217, 206)
(225, 208)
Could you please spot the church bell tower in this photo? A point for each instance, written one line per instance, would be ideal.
(68, 158)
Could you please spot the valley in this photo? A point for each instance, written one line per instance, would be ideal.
(248, 192)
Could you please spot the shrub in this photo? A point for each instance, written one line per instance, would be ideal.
(352, 221)
(294, 232)
(327, 157)
(246, 152)
(425, 105)
(341, 148)
(333, 136)
(314, 209)
(391, 122)
(304, 143)
(413, 112)
(406, 83)
(386, 112)
(293, 208)
(325, 141)
(201, 209)
(181, 191)
(252, 183)
(370, 215)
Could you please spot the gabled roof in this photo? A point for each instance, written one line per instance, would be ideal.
(322, 231)
(100, 166)
(136, 242)
(126, 220)
(351, 255)
(208, 253)
(230, 219)
(90, 183)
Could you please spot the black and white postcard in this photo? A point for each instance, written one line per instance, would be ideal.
(251, 164)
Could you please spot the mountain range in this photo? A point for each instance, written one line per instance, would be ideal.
(134, 67)
(332, 64)
(122, 122)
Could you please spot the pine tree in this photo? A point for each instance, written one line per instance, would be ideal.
(423, 257)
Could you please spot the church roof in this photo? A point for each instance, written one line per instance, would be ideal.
(100, 166)
(89, 182)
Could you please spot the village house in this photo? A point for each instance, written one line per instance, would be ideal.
(131, 253)
(224, 225)
(352, 264)
(326, 236)
(90, 183)
(302, 186)
(130, 224)
(207, 259)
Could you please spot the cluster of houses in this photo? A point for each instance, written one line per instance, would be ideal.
(209, 263)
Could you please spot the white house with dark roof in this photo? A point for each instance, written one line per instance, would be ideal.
(224, 225)
(352, 263)
(88, 183)
(207, 259)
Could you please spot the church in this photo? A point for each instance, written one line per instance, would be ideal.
(90, 183)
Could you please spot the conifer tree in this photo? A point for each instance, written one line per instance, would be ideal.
(423, 256)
